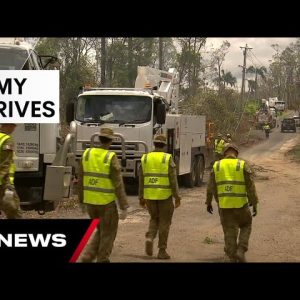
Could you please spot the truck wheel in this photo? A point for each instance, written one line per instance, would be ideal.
(200, 170)
(189, 179)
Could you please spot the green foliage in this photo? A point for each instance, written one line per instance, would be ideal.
(251, 107)
(77, 67)
(283, 75)
(218, 108)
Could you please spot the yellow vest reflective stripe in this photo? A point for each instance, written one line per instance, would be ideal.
(155, 167)
(230, 180)
(219, 146)
(12, 170)
(3, 138)
(98, 188)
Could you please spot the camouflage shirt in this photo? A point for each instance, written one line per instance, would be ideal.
(6, 159)
(172, 178)
(250, 186)
(117, 180)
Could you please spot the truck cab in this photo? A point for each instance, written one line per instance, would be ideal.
(136, 115)
(35, 144)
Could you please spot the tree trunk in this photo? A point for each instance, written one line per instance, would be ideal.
(103, 61)
(130, 63)
(160, 54)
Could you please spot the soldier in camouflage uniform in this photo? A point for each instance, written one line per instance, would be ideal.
(9, 205)
(100, 184)
(219, 145)
(233, 188)
(157, 185)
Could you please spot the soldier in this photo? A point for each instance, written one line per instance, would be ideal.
(100, 184)
(266, 127)
(9, 200)
(234, 190)
(219, 147)
(228, 139)
(157, 184)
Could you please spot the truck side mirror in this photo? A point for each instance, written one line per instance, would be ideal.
(161, 113)
(49, 60)
(70, 112)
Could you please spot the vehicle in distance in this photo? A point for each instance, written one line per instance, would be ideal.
(288, 124)
(297, 120)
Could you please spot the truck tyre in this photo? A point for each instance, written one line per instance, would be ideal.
(200, 170)
(189, 179)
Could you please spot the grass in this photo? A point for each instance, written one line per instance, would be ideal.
(208, 240)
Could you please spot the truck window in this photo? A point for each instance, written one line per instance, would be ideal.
(114, 109)
(36, 63)
(12, 59)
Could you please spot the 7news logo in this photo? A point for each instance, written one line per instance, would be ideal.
(18, 240)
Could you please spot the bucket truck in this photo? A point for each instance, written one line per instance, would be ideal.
(136, 115)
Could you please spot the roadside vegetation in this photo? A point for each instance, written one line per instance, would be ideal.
(206, 86)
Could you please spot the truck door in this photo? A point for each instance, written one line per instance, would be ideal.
(27, 147)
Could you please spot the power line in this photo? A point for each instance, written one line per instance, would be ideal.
(251, 58)
(256, 58)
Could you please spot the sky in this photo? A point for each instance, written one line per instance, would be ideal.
(261, 47)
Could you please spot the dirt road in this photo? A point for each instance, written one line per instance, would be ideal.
(197, 236)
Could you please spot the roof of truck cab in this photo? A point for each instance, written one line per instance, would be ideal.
(117, 92)
(23, 46)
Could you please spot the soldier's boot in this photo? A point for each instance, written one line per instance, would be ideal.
(149, 247)
(228, 259)
(240, 255)
(87, 258)
(104, 261)
(162, 254)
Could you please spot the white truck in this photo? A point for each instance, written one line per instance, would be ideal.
(280, 105)
(136, 115)
(272, 101)
(36, 145)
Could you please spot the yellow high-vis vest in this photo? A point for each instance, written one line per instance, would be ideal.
(230, 180)
(98, 188)
(219, 146)
(12, 170)
(155, 167)
(4, 137)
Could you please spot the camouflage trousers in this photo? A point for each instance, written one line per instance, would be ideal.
(10, 208)
(237, 225)
(161, 213)
(101, 244)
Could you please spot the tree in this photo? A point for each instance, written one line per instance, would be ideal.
(217, 59)
(253, 86)
(228, 79)
(77, 68)
(189, 63)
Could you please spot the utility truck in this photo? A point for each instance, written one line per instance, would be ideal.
(36, 145)
(136, 115)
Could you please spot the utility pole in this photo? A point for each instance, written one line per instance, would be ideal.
(244, 69)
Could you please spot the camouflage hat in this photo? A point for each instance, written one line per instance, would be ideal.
(160, 138)
(107, 132)
(231, 146)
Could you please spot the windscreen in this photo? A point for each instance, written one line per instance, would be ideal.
(114, 109)
(289, 121)
(12, 59)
